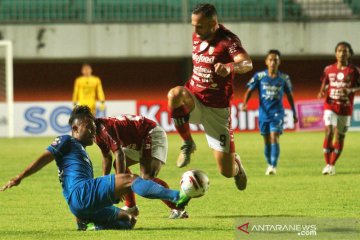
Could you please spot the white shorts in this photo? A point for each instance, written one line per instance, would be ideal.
(159, 146)
(342, 123)
(217, 125)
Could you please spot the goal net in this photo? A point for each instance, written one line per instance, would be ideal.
(6, 90)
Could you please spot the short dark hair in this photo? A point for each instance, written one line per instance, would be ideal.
(80, 112)
(346, 44)
(207, 9)
(273, 51)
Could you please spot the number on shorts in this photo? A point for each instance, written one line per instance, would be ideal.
(222, 140)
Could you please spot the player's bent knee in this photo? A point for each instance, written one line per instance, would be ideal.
(123, 184)
(174, 93)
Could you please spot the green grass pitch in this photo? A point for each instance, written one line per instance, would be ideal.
(37, 210)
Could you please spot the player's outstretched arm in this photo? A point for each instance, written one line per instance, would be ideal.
(35, 166)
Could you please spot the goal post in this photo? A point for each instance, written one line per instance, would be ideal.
(6, 89)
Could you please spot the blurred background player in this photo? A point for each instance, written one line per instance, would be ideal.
(205, 99)
(135, 139)
(340, 82)
(88, 89)
(91, 199)
(271, 85)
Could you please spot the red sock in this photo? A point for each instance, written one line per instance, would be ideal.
(130, 200)
(171, 205)
(327, 148)
(184, 131)
(336, 153)
(181, 121)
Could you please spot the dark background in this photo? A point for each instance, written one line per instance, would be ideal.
(148, 79)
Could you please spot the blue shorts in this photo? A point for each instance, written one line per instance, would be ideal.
(93, 200)
(274, 125)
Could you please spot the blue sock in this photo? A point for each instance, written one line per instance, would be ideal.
(275, 153)
(150, 189)
(267, 153)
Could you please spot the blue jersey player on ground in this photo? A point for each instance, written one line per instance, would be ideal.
(271, 85)
(91, 199)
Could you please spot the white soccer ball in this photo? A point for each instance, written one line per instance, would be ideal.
(194, 183)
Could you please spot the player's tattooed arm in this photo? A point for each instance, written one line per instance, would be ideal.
(242, 64)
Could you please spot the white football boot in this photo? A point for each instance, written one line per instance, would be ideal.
(268, 170)
(178, 214)
(326, 169)
(131, 210)
(332, 170)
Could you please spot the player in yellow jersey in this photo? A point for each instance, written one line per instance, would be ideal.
(88, 89)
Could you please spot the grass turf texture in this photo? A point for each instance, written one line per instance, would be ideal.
(37, 210)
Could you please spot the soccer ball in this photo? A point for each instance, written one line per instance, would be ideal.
(194, 183)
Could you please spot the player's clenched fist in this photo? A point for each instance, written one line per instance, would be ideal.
(321, 94)
(222, 69)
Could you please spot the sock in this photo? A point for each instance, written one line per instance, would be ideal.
(171, 205)
(150, 189)
(267, 153)
(237, 165)
(275, 152)
(338, 147)
(130, 200)
(327, 148)
(118, 224)
(181, 117)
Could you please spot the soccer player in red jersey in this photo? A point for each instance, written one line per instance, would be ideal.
(217, 57)
(134, 139)
(340, 82)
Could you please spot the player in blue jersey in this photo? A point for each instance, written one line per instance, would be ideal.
(91, 199)
(271, 85)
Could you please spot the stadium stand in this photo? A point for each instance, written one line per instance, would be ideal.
(355, 6)
(325, 9)
(147, 11)
(20, 11)
(137, 10)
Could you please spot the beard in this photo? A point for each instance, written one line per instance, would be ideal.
(205, 36)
